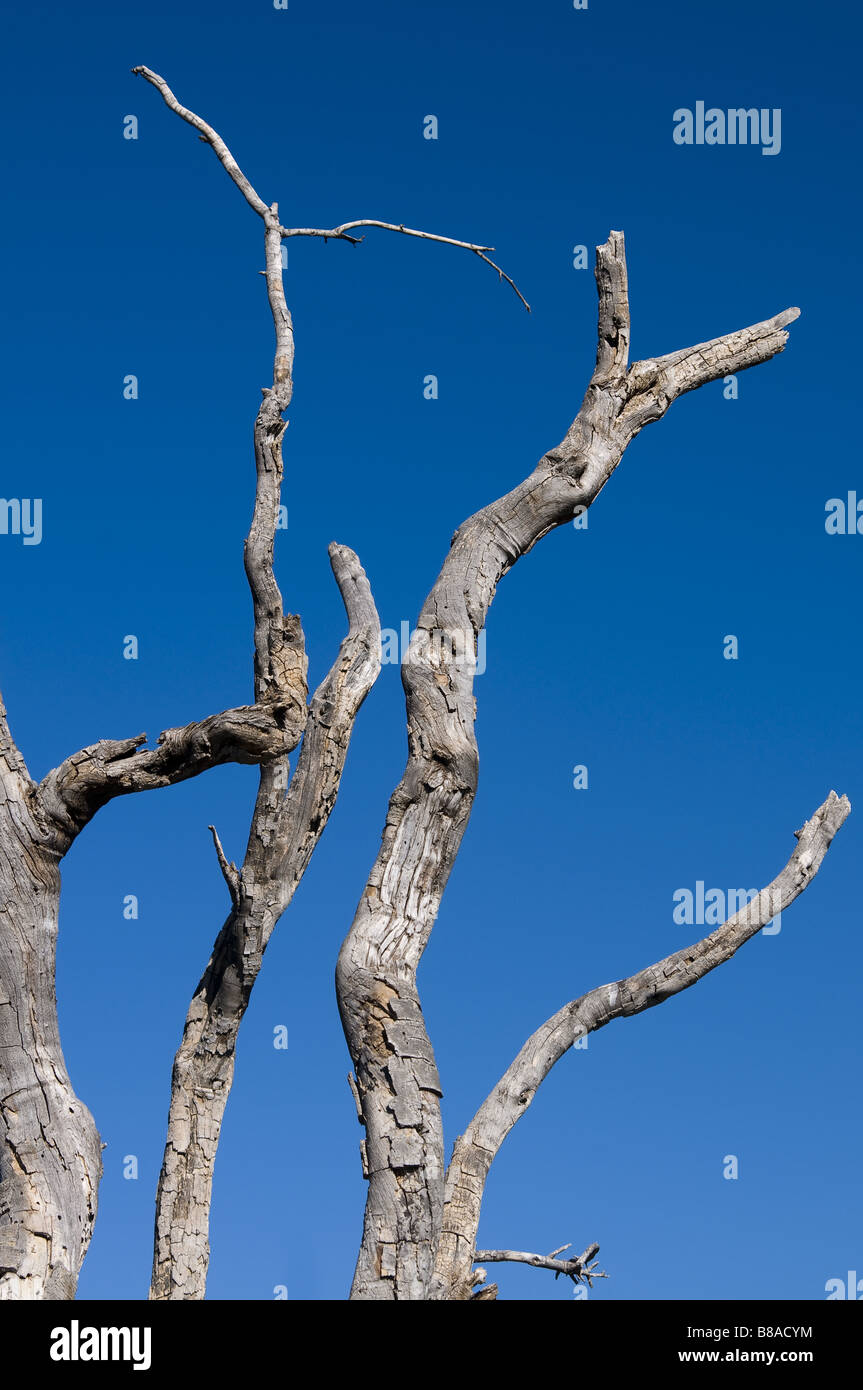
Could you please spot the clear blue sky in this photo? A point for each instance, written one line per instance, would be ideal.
(604, 647)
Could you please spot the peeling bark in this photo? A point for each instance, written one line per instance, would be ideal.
(376, 975)
(285, 830)
(420, 1227)
(288, 818)
(50, 1154)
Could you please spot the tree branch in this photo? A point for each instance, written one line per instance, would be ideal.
(652, 385)
(270, 214)
(230, 872)
(287, 821)
(341, 232)
(333, 709)
(475, 1150)
(284, 832)
(429, 810)
(71, 794)
(613, 327)
(223, 154)
(14, 776)
(580, 1269)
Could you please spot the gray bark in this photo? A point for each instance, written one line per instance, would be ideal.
(286, 825)
(285, 829)
(287, 821)
(50, 1154)
(475, 1150)
(397, 1081)
(420, 1228)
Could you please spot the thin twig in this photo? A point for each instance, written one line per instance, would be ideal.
(340, 233)
(230, 873)
(582, 1269)
(269, 213)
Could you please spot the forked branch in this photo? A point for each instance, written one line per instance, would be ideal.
(341, 233)
(288, 818)
(581, 1269)
(269, 214)
(406, 1220)
(71, 794)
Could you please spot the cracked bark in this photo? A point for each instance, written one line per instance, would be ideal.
(50, 1154)
(396, 1078)
(288, 818)
(284, 832)
(285, 828)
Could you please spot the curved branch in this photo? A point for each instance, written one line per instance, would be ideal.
(475, 1150)
(284, 832)
(270, 213)
(332, 711)
(429, 810)
(341, 233)
(652, 385)
(71, 794)
(223, 154)
(287, 822)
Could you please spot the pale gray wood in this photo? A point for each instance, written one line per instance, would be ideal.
(376, 976)
(475, 1150)
(50, 1153)
(420, 1222)
(581, 1269)
(284, 832)
(289, 815)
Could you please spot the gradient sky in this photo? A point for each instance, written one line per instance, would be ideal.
(604, 647)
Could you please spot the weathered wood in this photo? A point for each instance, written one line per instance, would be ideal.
(72, 793)
(421, 1221)
(581, 1269)
(288, 818)
(475, 1150)
(50, 1154)
(284, 832)
(429, 810)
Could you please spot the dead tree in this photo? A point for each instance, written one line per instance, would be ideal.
(50, 1152)
(290, 812)
(421, 1219)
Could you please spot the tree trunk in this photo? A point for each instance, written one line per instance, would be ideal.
(397, 1082)
(50, 1154)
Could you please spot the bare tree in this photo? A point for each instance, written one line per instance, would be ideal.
(421, 1217)
(421, 1220)
(288, 818)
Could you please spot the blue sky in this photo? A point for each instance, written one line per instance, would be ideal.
(604, 647)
